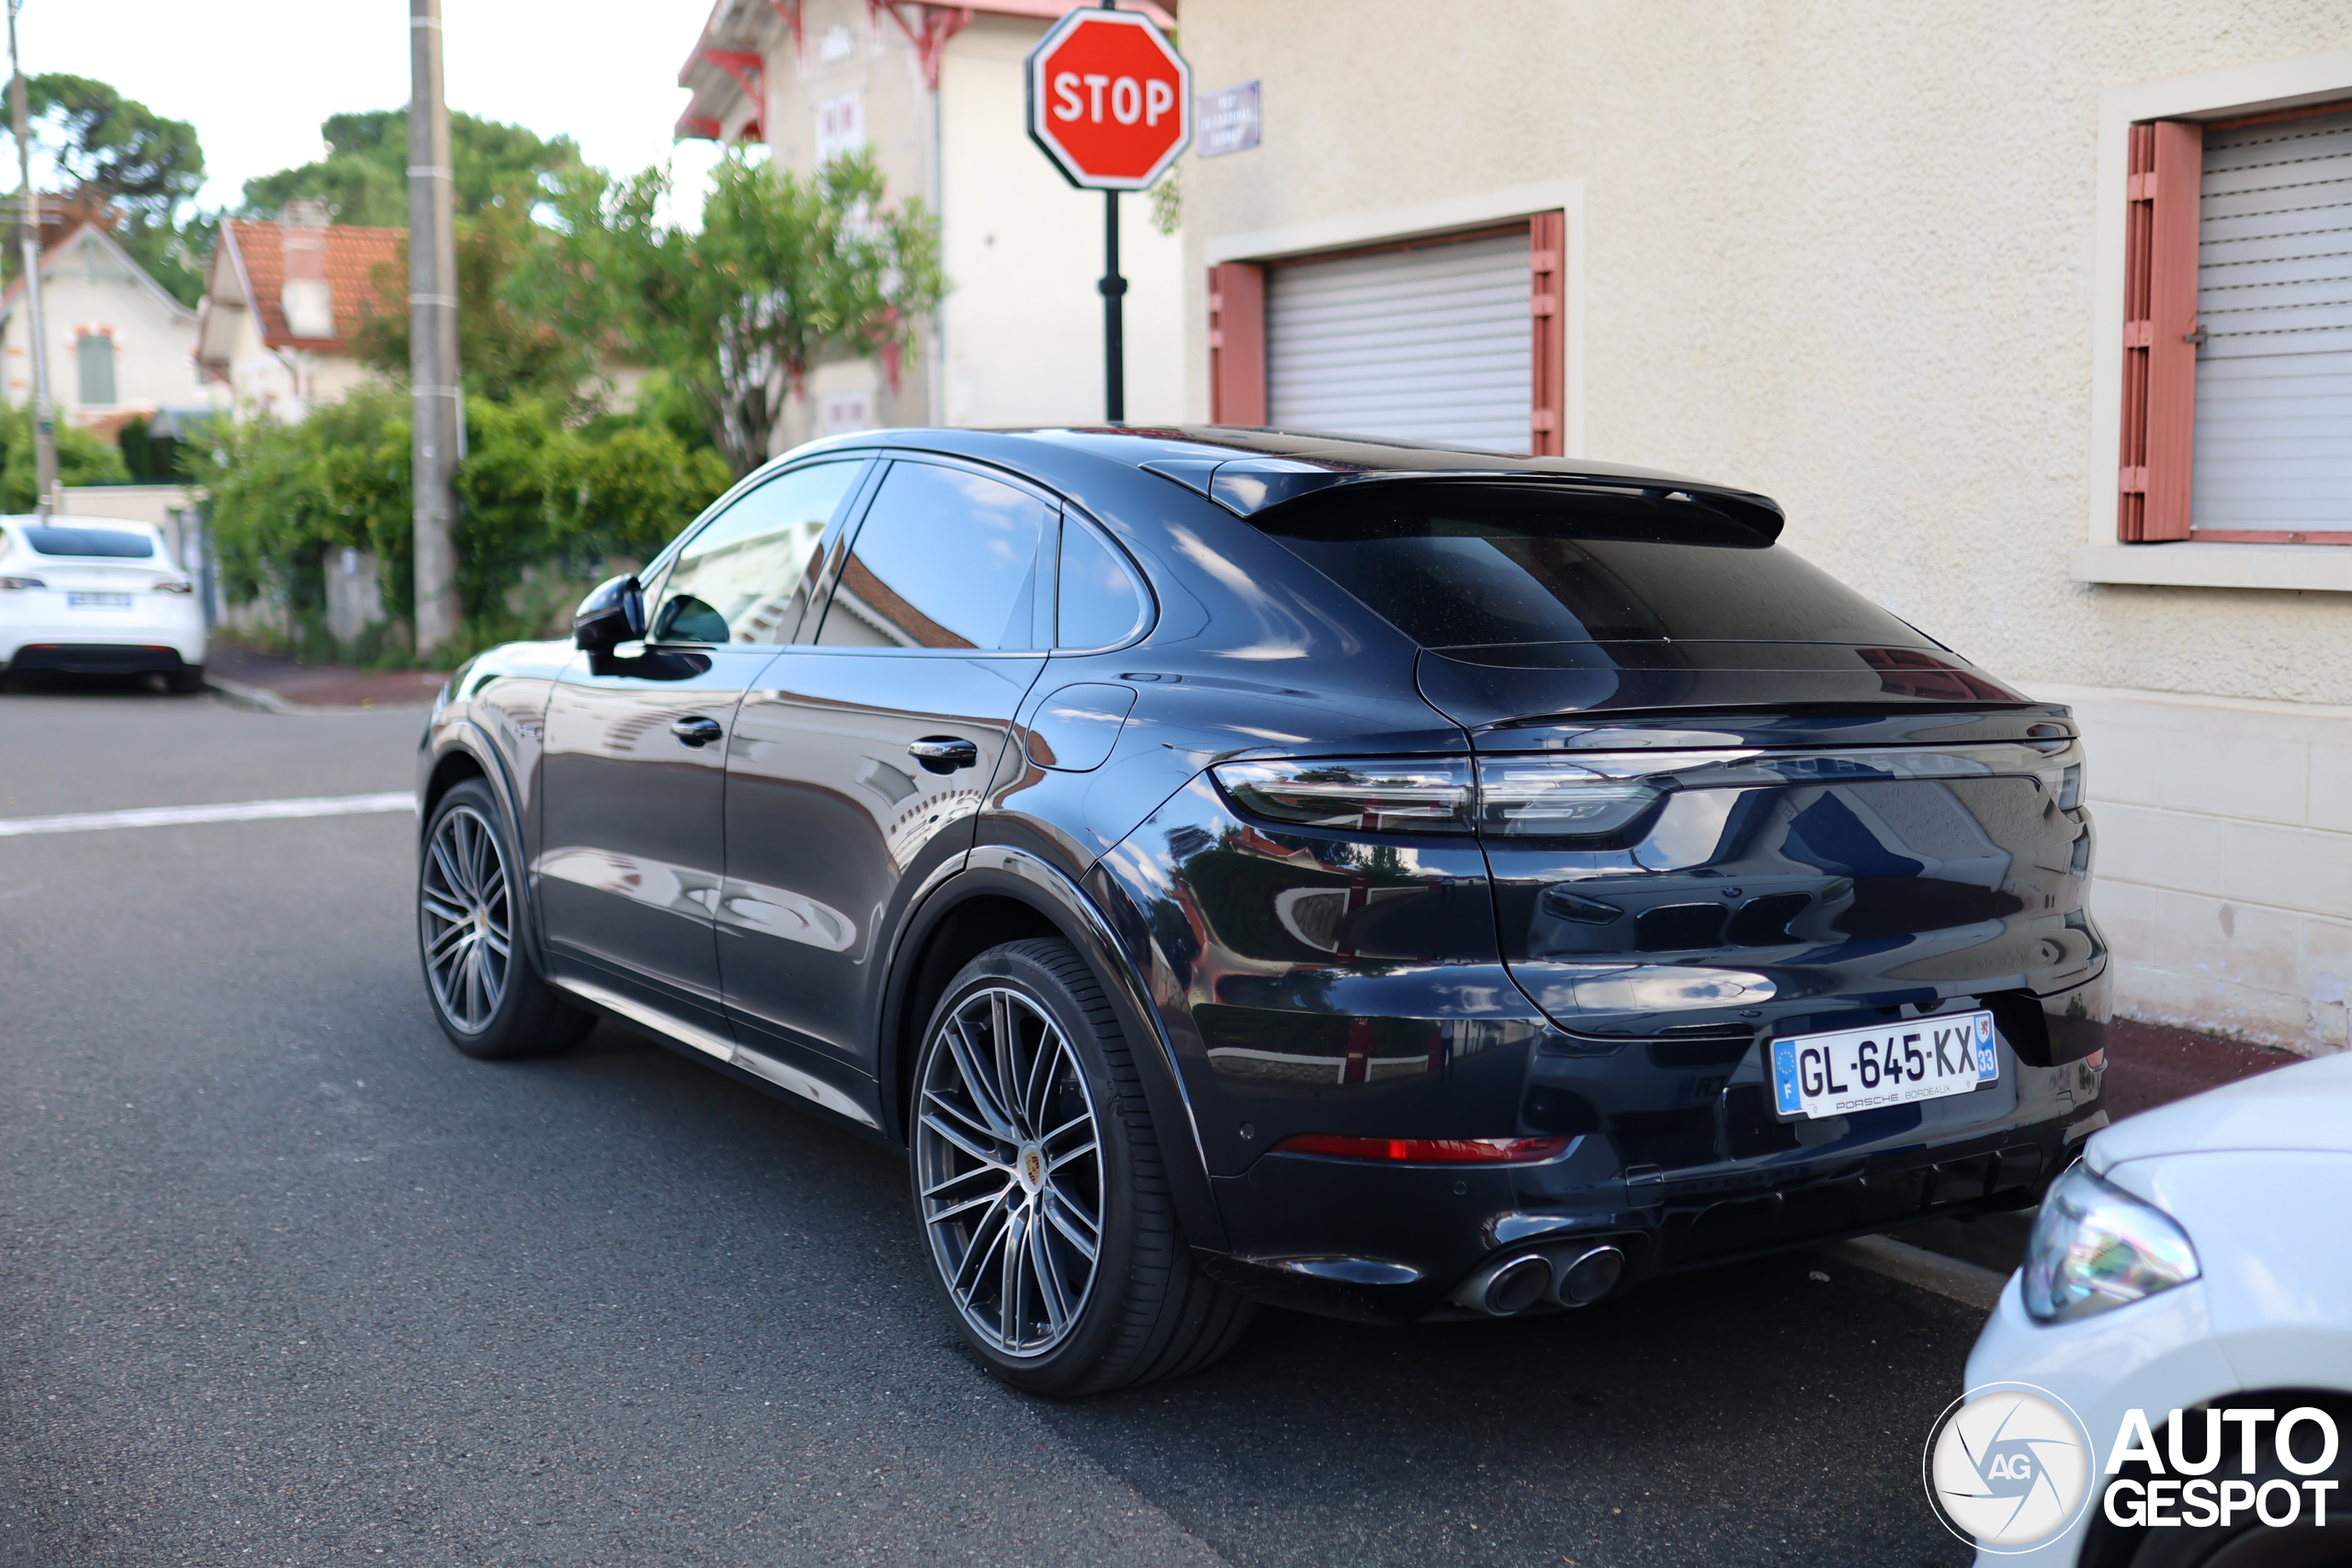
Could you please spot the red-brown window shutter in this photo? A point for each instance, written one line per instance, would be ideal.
(1238, 343)
(2159, 315)
(1547, 245)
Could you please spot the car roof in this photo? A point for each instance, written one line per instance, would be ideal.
(1248, 470)
(2307, 1106)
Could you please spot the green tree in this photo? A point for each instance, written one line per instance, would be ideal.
(504, 353)
(130, 167)
(364, 177)
(783, 275)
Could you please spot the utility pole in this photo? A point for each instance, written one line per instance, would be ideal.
(29, 241)
(432, 331)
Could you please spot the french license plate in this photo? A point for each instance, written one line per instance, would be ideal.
(97, 601)
(1892, 1064)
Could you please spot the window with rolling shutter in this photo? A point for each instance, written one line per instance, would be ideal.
(1430, 343)
(2273, 450)
(2237, 385)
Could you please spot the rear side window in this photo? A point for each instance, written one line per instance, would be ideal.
(944, 559)
(49, 539)
(1460, 567)
(1098, 602)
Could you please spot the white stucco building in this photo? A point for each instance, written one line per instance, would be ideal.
(935, 92)
(284, 300)
(119, 346)
(2034, 316)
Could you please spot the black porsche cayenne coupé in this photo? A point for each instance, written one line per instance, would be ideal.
(1389, 882)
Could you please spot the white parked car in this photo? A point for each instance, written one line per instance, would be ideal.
(94, 595)
(2199, 1259)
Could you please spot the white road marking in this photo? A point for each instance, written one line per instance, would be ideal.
(234, 811)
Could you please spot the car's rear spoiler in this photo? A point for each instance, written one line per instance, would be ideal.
(1248, 486)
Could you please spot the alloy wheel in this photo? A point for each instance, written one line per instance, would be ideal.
(466, 906)
(1009, 1157)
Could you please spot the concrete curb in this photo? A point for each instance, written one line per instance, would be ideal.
(245, 696)
(1964, 1283)
(263, 700)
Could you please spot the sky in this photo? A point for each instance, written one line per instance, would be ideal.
(256, 77)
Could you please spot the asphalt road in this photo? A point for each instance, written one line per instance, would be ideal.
(284, 1280)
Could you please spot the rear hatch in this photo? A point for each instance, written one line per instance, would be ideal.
(1722, 797)
(89, 578)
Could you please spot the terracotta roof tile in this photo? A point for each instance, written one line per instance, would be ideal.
(354, 254)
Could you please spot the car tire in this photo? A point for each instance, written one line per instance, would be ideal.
(486, 995)
(997, 1171)
(186, 681)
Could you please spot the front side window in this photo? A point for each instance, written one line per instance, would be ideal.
(746, 576)
(945, 558)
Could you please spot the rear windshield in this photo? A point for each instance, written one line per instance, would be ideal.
(1481, 566)
(51, 540)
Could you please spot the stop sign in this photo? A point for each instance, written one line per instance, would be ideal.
(1110, 100)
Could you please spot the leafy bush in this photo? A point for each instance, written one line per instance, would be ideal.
(149, 459)
(82, 460)
(542, 508)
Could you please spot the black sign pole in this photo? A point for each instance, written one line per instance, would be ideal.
(1114, 329)
(1114, 315)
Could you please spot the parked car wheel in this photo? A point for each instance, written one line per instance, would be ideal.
(489, 1000)
(1040, 1189)
(186, 681)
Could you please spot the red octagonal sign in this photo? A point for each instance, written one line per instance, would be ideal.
(1110, 100)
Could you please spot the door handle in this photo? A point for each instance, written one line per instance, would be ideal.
(696, 731)
(944, 753)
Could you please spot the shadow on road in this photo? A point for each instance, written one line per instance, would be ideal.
(1756, 1414)
(57, 683)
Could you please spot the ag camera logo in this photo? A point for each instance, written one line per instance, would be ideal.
(2007, 1467)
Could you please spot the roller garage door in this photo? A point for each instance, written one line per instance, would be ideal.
(1426, 343)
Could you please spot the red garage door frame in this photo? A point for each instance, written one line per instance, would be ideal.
(1236, 337)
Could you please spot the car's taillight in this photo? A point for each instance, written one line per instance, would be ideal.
(1594, 794)
(1411, 795)
(1425, 1151)
(174, 585)
(1510, 797)
(1540, 799)
(11, 584)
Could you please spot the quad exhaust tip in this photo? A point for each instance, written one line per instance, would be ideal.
(1565, 1277)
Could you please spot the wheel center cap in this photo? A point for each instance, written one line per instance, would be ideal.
(1033, 1168)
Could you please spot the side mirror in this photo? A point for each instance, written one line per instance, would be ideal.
(612, 614)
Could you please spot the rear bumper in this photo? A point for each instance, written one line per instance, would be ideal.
(1389, 1244)
(106, 658)
(163, 632)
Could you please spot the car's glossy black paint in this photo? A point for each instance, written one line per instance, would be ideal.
(1422, 1018)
